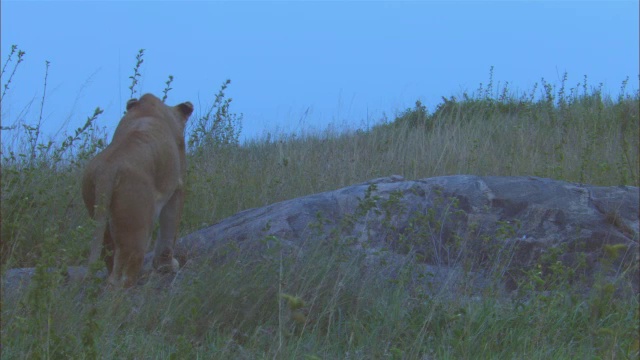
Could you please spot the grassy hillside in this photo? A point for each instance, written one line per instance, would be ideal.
(317, 305)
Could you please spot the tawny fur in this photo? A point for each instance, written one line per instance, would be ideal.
(136, 180)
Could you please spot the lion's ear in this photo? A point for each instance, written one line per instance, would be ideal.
(131, 103)
(186, 108)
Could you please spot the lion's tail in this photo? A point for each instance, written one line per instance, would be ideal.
(103, 190)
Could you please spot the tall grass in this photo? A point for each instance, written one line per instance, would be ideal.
(325, 301)
(582, 136)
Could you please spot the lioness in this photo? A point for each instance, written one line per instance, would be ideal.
(135, 179)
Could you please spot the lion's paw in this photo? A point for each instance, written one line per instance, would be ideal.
(168, 268)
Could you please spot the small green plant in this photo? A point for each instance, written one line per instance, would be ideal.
(217, 127)
(167, 88)
(20, 58)
(136, 73)
(418, 116)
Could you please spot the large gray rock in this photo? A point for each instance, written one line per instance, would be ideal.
(498, 225)
(511, 223)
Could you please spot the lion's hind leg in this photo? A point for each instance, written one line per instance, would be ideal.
(163, 260)
(128, 259)
(130, 230)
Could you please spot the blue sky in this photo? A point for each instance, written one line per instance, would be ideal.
(347, 63)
